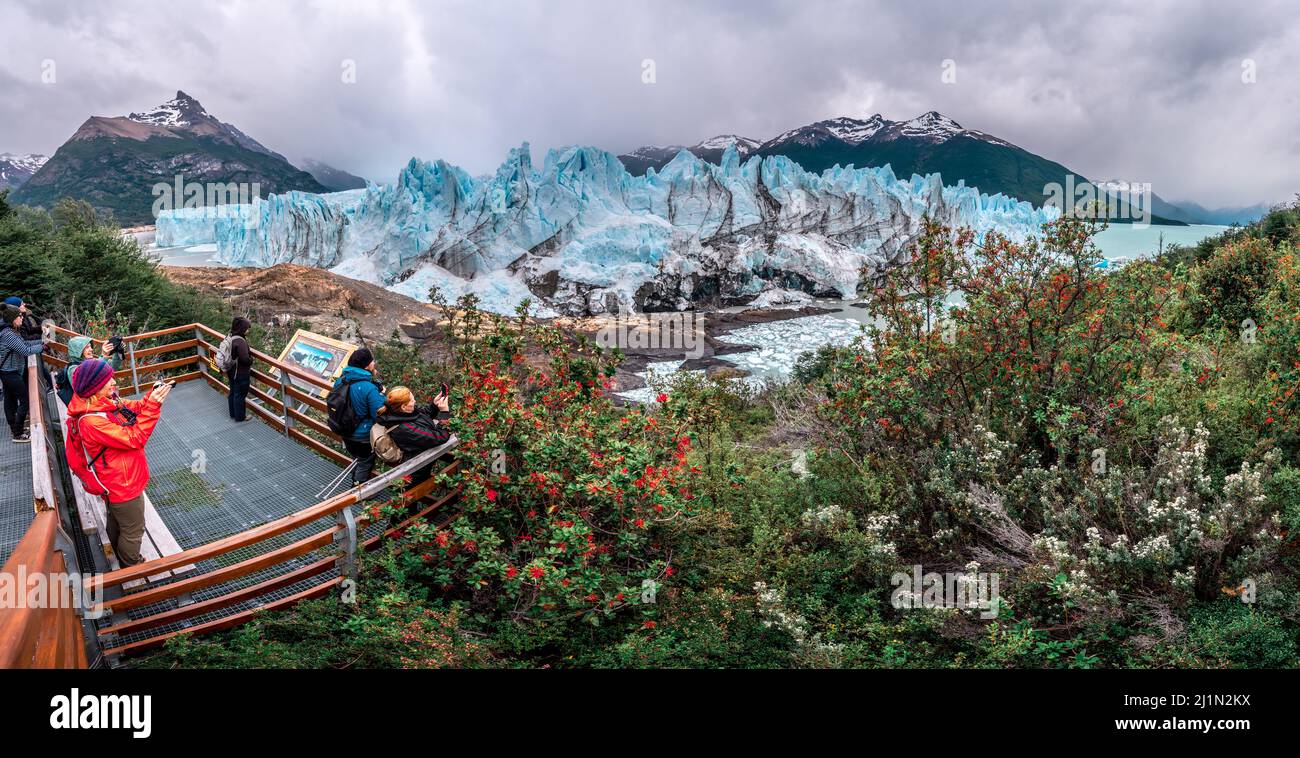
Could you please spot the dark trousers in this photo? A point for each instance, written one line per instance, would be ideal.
(15, 386)
(238, 392)
(126, 530)
(365, 456)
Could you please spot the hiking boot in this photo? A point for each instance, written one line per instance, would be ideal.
(22, 438)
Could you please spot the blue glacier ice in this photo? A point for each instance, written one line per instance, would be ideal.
(582, 235)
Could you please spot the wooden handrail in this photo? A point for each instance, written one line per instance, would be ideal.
(42, 474)
(158, 333)
(276, 363)
(221, 601)
(169, 347)
(332, 506)
(42, 637)
(229, 621)
(224, 574)
(204, 329)
(225, 544)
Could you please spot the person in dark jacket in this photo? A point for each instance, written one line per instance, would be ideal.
(14, 350)
(30, 329)
(83, 349)
(415, 428)
(367, 397)
(241, 367)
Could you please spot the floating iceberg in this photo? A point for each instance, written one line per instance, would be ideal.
(583, 236)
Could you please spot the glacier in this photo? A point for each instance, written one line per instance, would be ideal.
(582, 236)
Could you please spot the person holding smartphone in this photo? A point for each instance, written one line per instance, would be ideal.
(416, 428)
(111, 433)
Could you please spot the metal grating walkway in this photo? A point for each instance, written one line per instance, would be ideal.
(211, 477)
(16, 504)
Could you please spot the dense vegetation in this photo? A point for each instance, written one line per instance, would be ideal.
(71, 265)
(1120, 448)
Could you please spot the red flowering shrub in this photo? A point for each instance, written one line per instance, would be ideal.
(1279, 334)
(1041, 348)
(568, 503)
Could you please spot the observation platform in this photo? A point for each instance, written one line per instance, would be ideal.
(241, 516)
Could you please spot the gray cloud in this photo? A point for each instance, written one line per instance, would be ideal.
(1142, 92)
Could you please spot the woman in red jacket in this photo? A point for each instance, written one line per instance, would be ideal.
(111, 434)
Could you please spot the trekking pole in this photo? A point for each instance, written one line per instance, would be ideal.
(333, 485)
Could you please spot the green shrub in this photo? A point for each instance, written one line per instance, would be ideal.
(1231, 634)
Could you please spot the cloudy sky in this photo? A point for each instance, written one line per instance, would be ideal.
(1146, 91)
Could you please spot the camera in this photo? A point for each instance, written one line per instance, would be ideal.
(116, 342)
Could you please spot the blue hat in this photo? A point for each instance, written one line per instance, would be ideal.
(15, 301)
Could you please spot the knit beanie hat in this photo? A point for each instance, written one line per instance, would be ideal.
(90, 377)
(361, 357)
(8, 313)
(14, 300)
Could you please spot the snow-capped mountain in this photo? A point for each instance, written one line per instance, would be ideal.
(843, 129)
(114, 161)
(181, 110)
(928, 144)
(814, 144)
(582, 235)
(15, 170)
(651, 156)
(744, 145)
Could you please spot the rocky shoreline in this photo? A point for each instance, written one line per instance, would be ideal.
(326, 302)
(716, 325)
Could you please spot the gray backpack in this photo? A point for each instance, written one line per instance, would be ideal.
(225, 358)
(385, 449)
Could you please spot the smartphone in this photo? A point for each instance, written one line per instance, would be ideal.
(446, 391)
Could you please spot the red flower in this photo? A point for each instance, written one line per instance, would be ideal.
(512, 572)
(537, 572)
(491, 495)
(648, 625)
(663, 397)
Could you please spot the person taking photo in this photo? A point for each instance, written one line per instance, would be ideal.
(14, 349)
(106, 449)
(83, 349)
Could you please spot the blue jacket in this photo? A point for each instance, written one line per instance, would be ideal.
(14, 350)
(366, 399)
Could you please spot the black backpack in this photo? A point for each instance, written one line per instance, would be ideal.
(342, 417)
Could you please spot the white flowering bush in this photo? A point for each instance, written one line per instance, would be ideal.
(1166, 529)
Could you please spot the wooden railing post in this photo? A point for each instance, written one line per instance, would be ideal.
(201, 351)
(346, 538)
(135, 377)
(284, 398)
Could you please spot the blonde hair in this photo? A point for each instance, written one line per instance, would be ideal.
(397, 397)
